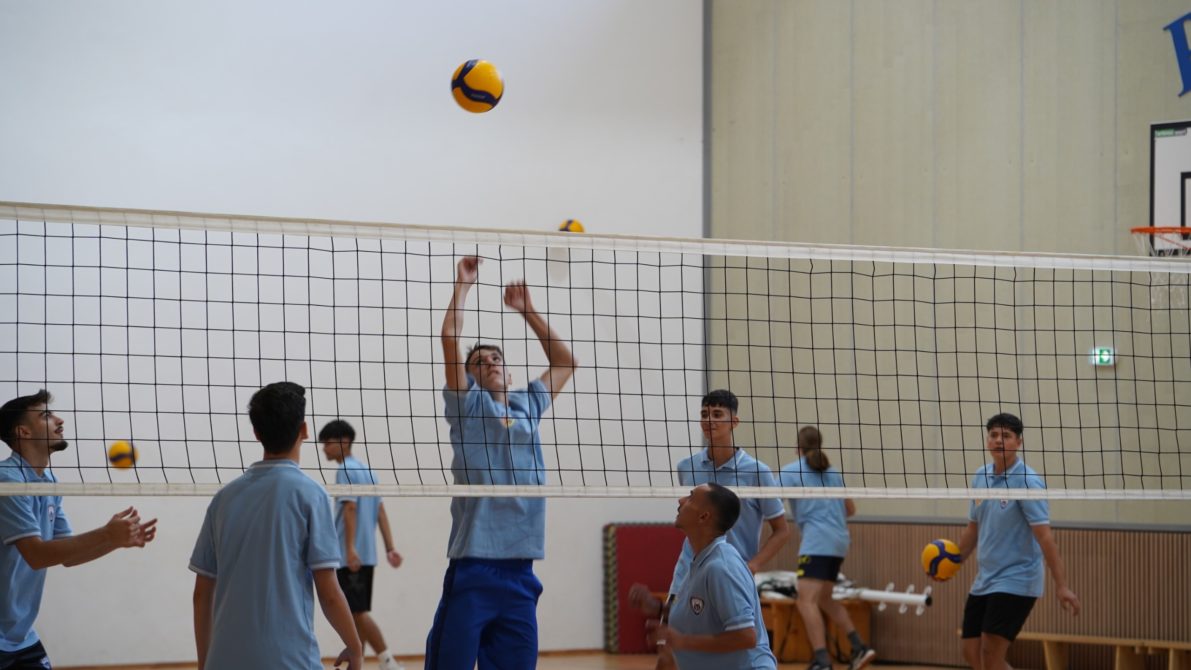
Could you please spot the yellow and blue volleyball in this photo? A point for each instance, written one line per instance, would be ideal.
(122, 454)
(477, 86)
(571, 226)
(941, 560)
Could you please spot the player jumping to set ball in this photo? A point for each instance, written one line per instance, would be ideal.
(1012, 539)
(488, 610)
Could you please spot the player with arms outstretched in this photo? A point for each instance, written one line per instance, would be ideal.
(488, 610)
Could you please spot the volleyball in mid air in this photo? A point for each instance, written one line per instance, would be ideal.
(941, 560)
(477, 86)
(571, 226)
(122, 454)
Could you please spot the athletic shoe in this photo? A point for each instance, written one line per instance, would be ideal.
(861, 658)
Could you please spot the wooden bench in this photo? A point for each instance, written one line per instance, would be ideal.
(789, 642)
(1129, 655)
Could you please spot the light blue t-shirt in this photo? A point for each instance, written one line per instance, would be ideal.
(263, 536)
(498, 445)
(719, 596)
(353, 471)
(21, 517)
(822, 522)
(1009, 555)
(740, 470)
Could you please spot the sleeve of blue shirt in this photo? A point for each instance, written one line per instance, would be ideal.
(343, 476)
(771, 508)
(972, 503)
(732, 598)
(462, 403)
(202, 560)
(17, 519)
(786, 478)
(1037, 512)
(539, 398)
(61, 524)
(322, 543)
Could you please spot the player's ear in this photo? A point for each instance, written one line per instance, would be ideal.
(735, 421)
(304, 432)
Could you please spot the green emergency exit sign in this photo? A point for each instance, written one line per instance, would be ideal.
(1103, 356)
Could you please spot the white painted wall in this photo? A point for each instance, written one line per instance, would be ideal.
(310, 110)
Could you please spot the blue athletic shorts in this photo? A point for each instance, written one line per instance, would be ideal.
(487, 614)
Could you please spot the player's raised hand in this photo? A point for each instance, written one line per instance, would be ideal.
(468, 270)
(124, 528)
(517, 296)
(146, 532)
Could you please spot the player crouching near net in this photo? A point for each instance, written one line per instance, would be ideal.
(488, 610)
(1012, 539)
(714, 620)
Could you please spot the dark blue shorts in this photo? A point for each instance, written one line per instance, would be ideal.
(487, 614)
(1001, 614)
(820, 567)
(32, 657)
(357, 588)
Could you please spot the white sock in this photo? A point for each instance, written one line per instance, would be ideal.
(384, 655)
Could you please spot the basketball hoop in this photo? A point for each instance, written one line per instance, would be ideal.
(1166, 289)
(1168, 241)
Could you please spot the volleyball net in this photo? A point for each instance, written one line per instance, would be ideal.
(156, 328)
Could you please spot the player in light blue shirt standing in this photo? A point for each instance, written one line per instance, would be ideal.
(823, 524)
(1012, 539)
(357, 519)
(724, 463)
(715, 617)
(267, 539)
(34, 532)
(488, 610)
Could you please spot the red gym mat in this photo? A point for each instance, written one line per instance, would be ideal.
(634, 552)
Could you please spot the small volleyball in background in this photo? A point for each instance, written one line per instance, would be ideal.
(121, 454)
(571, 226)
(940, 559)
(477, 86)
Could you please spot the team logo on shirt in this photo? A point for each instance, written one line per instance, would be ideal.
(1004, 504)
(52, 513)
(696, 605)
(509, 421)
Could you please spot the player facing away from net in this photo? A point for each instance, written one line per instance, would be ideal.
(357, 519)
(488, 610)
(1012, 539)
(724, 463)
(266, 537)
(823, 525)
(715, 618)
(34, 531)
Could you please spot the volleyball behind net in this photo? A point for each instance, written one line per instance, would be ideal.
(156, 327)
